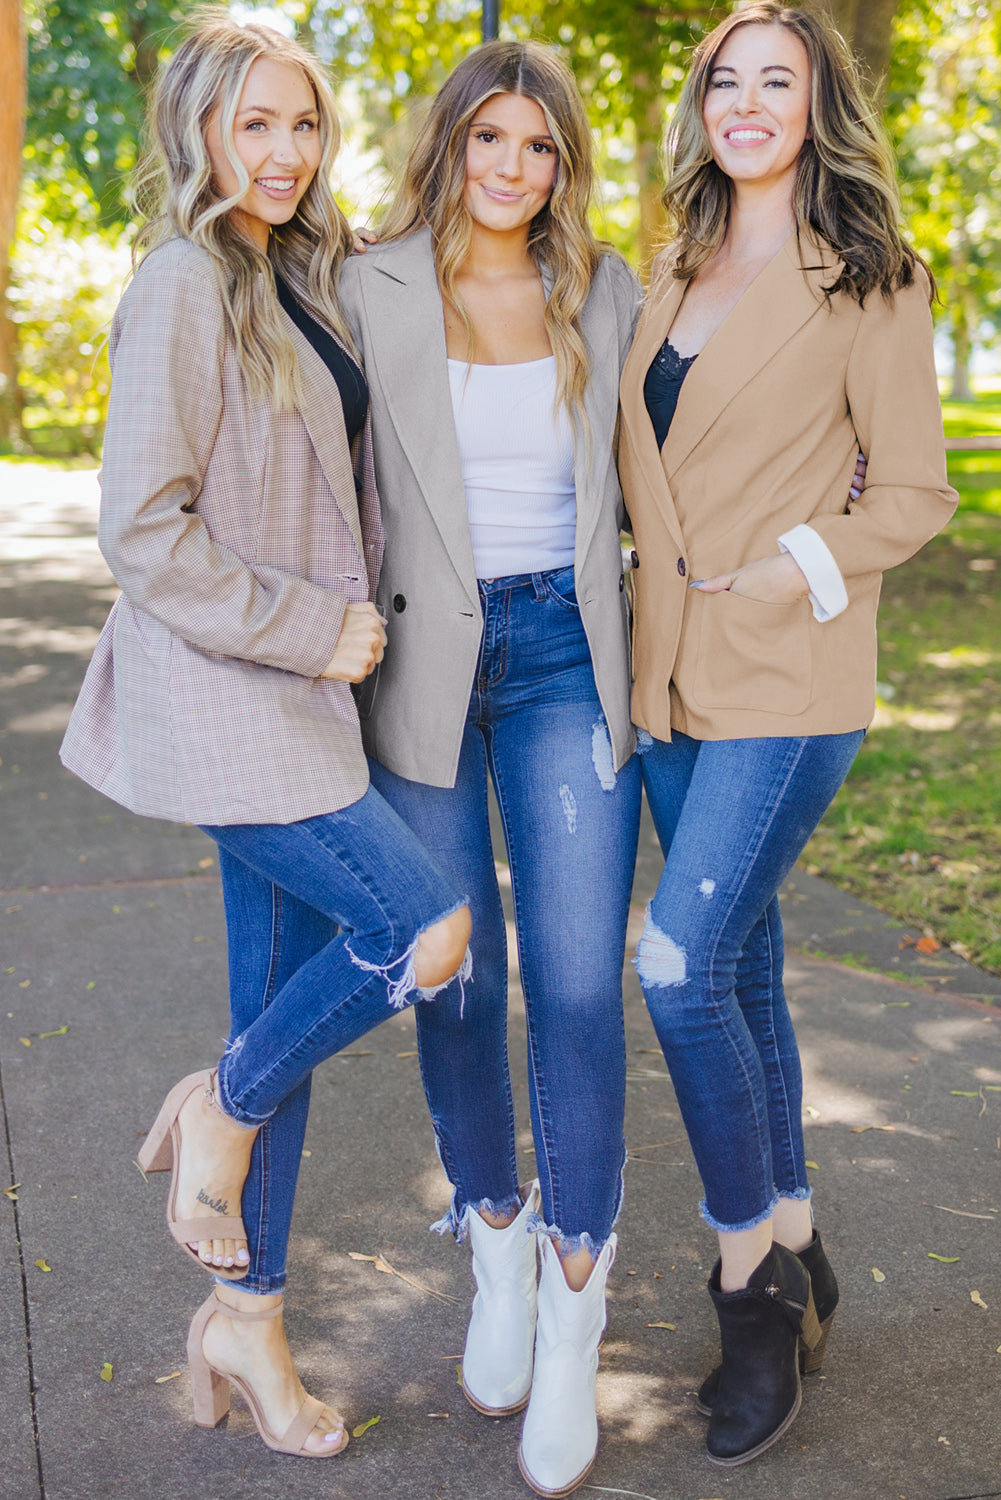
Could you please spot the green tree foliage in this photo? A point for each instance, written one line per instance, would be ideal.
(89, 70)
(944, 110)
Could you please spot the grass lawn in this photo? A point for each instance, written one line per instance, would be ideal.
(916, 829)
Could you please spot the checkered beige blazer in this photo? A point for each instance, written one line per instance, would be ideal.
(238, 535)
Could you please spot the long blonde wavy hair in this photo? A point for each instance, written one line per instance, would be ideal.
(846, 184)
(178, 197)
(560, 236)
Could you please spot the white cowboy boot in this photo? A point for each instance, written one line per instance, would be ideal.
(497, 1362)
(560, 1437)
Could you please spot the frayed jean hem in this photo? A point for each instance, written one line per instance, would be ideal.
(567, 1244)
(457, 1224)
(752, 1223)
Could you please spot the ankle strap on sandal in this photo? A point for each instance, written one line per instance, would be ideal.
(249, 1315)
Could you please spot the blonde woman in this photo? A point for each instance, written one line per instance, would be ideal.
(220, 691)
(787, 327)
(493, 326)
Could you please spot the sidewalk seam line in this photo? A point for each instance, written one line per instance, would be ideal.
(26, 1309)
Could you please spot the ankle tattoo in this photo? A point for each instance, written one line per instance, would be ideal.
(217, 1205)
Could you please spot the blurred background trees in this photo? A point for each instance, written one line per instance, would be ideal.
(935, 68)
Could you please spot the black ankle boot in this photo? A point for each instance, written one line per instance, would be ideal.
(760, 1327)
(824, 1287)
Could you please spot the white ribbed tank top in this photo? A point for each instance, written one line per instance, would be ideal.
(517, 466)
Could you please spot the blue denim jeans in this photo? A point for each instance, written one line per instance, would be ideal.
(570, 824)
(322, 917)
(733, 817)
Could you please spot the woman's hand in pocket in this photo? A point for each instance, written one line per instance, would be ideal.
(770, 580)
(360, 645)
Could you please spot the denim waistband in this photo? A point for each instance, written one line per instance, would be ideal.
(534, 581)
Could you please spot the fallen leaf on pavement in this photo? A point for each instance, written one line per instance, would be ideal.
(25, 1041)
(42, 1035)
(11, 1192)
(672, 1327)
(813, 1164)
(861, 1129)
(362, 1428)
(107, 1371)
(162, 1379)
(43, 1265)
(947, 1260)
(458, 1373)
(437, 1413)
(877, 1274)
(406, 1054)
(381, 1264)
(978, 1301)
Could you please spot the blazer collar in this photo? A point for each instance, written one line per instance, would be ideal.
(322, 415)
(781, 298)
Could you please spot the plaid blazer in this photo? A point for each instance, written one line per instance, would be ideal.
(238, 534)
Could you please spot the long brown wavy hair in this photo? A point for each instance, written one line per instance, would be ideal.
(560, 236)
(846, 184)
(179, 198)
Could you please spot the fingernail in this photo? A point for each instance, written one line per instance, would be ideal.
(695, 583)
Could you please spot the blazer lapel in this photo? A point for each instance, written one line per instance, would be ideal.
(651, 331)
(407, 331)
(322, 415)
(599, 329)
(784, 295)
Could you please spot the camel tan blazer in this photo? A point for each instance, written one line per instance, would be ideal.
(765, 437)
(238, 539)
(414, 707)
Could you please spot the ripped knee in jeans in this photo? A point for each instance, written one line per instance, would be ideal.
(659, 962)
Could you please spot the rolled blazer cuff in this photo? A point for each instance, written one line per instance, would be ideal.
(814, 558)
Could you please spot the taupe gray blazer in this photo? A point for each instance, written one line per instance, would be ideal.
(414, 707)
(238, 539)
(768, 425)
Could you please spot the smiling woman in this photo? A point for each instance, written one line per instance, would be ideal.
(240, 518)
(508, 661)
(787, 327)
(275, 151)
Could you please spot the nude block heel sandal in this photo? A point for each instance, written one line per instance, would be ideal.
(210, 1389)
(161, 1152)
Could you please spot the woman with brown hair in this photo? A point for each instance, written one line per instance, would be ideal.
(786, 327)
(493, 326)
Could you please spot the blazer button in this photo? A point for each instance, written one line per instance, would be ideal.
(681, 567)
(622, 583)
(399, 603)
(634, 558)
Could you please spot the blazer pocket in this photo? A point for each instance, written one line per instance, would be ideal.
(754, 655)
(364, 692)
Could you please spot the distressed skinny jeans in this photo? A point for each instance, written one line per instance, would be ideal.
(322, 919)
(733, 817)
(534, 727)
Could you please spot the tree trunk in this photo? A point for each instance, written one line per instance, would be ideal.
(961, 319)
(867, 27)
(13, 85)
(648, 122)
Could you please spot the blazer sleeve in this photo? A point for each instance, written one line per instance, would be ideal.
(892, 392)
(165, 417)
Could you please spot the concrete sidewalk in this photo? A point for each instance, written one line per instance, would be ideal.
(112, 966)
